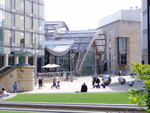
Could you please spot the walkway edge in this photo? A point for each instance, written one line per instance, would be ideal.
(72, 106)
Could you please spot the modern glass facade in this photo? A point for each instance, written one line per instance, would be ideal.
(79, 51)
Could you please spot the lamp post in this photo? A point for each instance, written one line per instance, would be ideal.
(71, 66)
(35, 61)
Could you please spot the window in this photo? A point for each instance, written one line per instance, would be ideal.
(40, 11)
(2, 4)
(12, 38)
(22, 6)
(31, 40)
(31, 7)
(11, 60)
(21, 60)
(40, 41)
(31, 23)
(122, 51)
(12, 4)
(22, 22)
(12, 19)
(22, 40)
(2, 17)
(40, 25)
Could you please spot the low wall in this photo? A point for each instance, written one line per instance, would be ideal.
(23, 75)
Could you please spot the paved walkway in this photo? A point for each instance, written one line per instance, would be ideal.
(75, 86)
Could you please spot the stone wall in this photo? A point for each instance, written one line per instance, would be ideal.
(23, 75)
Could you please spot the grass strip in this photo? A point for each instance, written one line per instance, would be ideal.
(107, 98)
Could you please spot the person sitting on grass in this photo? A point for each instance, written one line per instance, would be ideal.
(84, 88)
(5, 93)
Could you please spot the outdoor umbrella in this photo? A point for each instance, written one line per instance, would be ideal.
(51, 66)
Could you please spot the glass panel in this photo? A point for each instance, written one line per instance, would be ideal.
(1, 61)
(1, 40)
(12, 4)
(22, 6)
(2, 4)
(22, 40)
(2, 17)
(40, 11)
(122, 50)
(22, 22)
(11, 60)
(40, 25)
(40, 41)
(31, 23)
(30, 60)
(21, 60)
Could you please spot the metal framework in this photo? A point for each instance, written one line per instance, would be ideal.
(84, 41)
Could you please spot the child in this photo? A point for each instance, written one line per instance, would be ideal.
(58, 85)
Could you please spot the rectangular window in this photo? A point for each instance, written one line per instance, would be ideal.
(11, 60)
(22, 6)
(2, 4)
(12, 19)
(22, 40)
(40, 10)
(21, 60)
(40, 42)
(31, 23)
(122, 50)
(12, 4)
(31, 40)
(12, 38)
(22, 22)
(31, 7)
(40, 25)
(2, 17)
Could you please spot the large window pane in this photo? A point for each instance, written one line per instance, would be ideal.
(22, 22)
(22, 6)
(2, 4)
(22, 40)
(2, 17)
(122, 51)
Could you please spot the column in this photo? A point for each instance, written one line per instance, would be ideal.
(26, 59)
(6, 57)
(16, 60)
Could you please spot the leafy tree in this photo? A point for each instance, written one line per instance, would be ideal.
(142, 96)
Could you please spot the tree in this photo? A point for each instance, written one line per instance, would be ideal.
(142, 96)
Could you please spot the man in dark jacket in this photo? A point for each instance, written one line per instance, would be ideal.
(84, 88)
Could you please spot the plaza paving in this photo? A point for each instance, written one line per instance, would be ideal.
(75, 86)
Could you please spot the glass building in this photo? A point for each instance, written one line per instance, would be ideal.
(82, 52)
(21, 32)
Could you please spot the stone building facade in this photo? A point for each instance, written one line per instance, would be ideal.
(123, 40)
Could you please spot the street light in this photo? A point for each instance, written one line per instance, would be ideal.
(71, 66)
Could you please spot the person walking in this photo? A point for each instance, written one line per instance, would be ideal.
(97, 82)
(40, 83)
(54, 83)
(15, 87)
(58, 84)
(93, 81)
(119, 73)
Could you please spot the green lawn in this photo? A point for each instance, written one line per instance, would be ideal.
(110, 98)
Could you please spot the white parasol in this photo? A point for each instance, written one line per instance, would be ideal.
(51, 66)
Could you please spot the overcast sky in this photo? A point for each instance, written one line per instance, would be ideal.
(84, 14)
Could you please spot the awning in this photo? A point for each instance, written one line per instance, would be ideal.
(59, 47)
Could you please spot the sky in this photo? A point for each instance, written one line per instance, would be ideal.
(85, 14)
